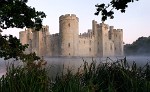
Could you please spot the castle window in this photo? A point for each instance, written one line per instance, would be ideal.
(69, 24)
(84, 42)
(90, 49)
(68, 44)
(43, 29)
(69, 54)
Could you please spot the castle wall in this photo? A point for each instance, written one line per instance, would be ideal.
(48, 46)
(118, 42)
(38, 41)
(106, 42)
(23, 37)
(55, 45)
(100, 41)
(86, 46)
(109, 48)
(103, 45)
(95, 34)
(41, 44)
(43, 41)
(35, 42)
(69, 35)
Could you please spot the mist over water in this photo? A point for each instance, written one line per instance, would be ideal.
(139, 60)
(5, 63)
(58, 64)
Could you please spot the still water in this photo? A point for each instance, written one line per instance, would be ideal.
(58, 64)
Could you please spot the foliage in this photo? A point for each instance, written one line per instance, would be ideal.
(15, 13)
(105, 77)
(140, 47)
(24, 79)
(10, 47)
(31, 77)
(106, 10)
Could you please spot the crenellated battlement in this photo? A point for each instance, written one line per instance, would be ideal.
(68, 17)
(117, 30)
(120, 30)
(104, 25)
(87, 35)
(111, 28)
(101, 40)
(55, 35)
(46, 26)
(22, 32)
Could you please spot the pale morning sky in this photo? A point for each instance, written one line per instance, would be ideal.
(135, 22)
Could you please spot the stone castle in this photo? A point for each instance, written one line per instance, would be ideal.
(100, 41)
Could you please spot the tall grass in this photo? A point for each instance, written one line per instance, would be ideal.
(24, 79)
(103, 77)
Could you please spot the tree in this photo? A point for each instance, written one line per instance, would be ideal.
(114, 4)
(10, 47)
(139, 47)
(16, 13)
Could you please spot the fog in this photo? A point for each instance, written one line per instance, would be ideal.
(57, 65)
(5, 63)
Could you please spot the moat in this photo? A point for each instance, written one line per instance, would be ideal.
(57, 63)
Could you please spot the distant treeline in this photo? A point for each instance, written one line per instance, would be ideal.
(139, 47)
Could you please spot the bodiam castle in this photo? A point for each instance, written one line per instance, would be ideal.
(100, 41)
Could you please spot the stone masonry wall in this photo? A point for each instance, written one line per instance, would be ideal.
(100, 41)
(69, 31)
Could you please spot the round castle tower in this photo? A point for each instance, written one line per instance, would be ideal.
(68, 29)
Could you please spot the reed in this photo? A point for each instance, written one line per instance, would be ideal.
(24, 79)
(104, 77)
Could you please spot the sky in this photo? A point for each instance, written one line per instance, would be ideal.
(135, 22)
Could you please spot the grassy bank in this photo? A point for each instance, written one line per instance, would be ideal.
(104, 77)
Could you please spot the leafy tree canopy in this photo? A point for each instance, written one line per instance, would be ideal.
(10, 47)
(140, 47)
(106, 10)
(16, 13)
